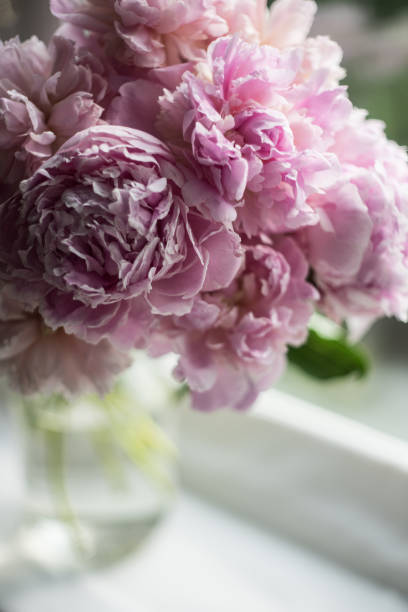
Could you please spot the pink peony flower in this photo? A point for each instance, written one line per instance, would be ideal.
(147, 33)
(285, 24)
(232, 345)
(359, 249)
(46, 96)
(101, 237)
(198, 181)
(36, 359)
(251, 128)
(143, 94)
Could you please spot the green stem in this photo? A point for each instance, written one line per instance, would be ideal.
(111, 462)
(55, 447)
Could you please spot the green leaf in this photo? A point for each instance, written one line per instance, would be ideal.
(327, 358)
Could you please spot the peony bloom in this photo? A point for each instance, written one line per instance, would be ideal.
(101, 237)
(146, 33)
(359, 248)
(36, 359)
(188, 176)
(285, 24)
(143, 94)
(46, 96)
(156, 33)
(233, 343)
(252, 128)
(270, 132)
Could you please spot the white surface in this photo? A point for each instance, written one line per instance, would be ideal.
(379, 400)
(333, 429)
(333, 484)
(203, 560)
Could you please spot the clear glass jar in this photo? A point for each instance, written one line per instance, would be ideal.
(99, 473)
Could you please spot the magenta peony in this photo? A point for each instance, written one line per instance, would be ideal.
(100, 237)
(46, 96)
(156, 33)
(37, 359)
(146, 33)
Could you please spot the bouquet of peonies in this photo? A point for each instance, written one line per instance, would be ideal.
(188, 176)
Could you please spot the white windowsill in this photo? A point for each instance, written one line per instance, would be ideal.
(335, 486)
(331, 483)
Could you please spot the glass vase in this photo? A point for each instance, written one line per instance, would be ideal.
(99, 473)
